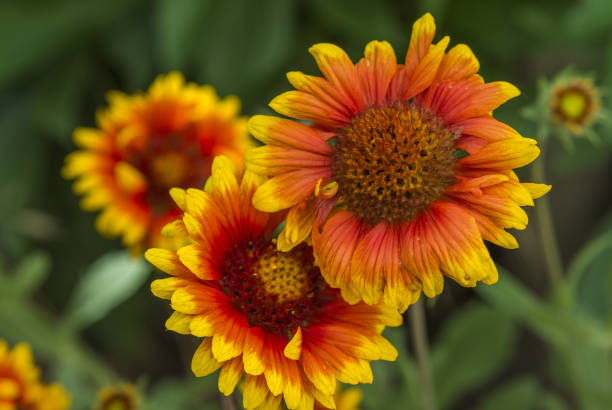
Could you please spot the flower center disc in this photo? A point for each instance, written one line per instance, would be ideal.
(275, 290)
(392, 161)
(284, 275)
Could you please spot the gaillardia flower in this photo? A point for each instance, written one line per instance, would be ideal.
(20, 384)
(403, 171)
(263, 313)
(574, 103)
(119, 397)
(146, 144)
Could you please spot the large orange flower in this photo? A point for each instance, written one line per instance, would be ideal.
(263, 313)
(403, 171)
(146, 144)
(20, 384)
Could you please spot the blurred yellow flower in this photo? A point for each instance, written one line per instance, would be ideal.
(20, 384)
(145, 144)
(118, 397)
(574, 103)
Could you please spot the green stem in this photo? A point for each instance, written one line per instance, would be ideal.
(552, 256)
(227, 402)
(419, 336)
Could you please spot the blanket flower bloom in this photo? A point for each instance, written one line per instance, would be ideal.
(20, 384)
(574, 103)
(262, 313)
(145, 144)
(403, 171)
(118, 397)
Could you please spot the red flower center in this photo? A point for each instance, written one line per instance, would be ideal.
(277, 291)
(167, 161)
(391, 162)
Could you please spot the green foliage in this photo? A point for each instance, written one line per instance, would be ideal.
(470, 350)
(60, 58)
(109, 281)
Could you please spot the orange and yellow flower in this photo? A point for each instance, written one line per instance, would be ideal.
(145, 144)
(263, 313)
(20, 384)
(403, 170)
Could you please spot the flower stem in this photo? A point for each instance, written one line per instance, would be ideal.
(227, 402)
(546, 227)
(421, 350)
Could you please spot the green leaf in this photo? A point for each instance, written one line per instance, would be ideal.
(559, 326)
(243, 42)
(177, 23)
(56, 98)
(45, 28)
(184, 393)
(360, 20)
(521, 393)
(109, 281)
(472, 347)
(31, 272)
(396, 385)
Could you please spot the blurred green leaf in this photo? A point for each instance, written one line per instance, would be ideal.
(473, 346)
(129, 49)
(584, 156)
(559, 326)
(589, 18)
(590, 277)
(109, 281)
(45, 28)
(56, 99)
(521, 393)
(396, 384)
(360, 20)
(31, 272)
(187, 393)
(177, 23)
(244, 42)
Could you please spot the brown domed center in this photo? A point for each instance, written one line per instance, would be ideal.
(391, 162)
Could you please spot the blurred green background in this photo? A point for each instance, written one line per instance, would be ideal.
(517, 345)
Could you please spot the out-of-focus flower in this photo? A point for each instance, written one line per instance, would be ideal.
(568, 107)
(346, 399)
(20, 384)
(574, 103)
(145, 144)
(263, 313)
(403, 171)
(119, 397)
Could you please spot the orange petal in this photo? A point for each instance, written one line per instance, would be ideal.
(486, 127)
(376, 71)
(288, 133)
(458, 64)
(286, 190)
(271, 160)
(456, 101)
(506, 154)
(423, 31)
(334, 247)
(425, 72)
(338, 69)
